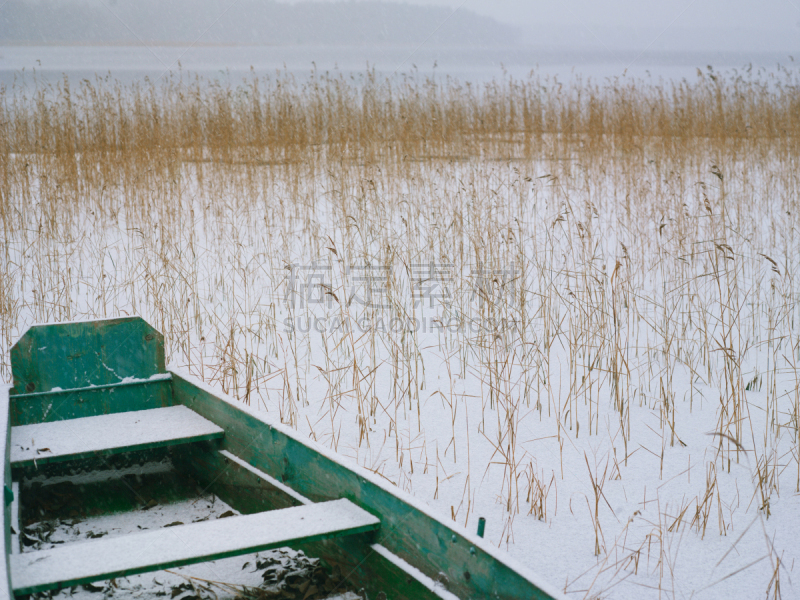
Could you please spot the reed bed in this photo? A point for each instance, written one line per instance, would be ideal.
(567, 307)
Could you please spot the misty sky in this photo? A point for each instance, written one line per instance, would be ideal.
(755, 14)
(610, 25)
(736, 24)
(602, 37)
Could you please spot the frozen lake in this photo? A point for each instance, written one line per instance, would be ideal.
(588, 340)
(127, 63)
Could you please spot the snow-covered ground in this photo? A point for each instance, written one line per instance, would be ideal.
(600, 359)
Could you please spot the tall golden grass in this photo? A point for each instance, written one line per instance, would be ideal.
(157, 125)
(653, 231)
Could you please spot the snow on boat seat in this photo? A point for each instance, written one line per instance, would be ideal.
(84, 562)
(108, 434)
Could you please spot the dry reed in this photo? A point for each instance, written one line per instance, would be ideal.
(587, 263)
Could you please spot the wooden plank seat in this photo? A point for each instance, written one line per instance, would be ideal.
(84, 562)
(430, 588)
(108, 434)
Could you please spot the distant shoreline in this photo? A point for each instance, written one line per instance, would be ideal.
(126, 44)
(194, 44)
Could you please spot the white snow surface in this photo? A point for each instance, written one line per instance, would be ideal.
(520, 426)
(236, 571)
(113, 555)
(472, 538)
(157, 426)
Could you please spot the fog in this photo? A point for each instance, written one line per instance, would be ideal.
(475, 40)
(669, 25)
(614, 25)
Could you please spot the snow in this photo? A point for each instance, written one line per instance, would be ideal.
(232, 573)
(423, 508)
(139, 429)
(114, 556)
(597, 502)
(153, 377)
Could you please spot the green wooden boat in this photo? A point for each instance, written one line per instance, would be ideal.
(94, 392)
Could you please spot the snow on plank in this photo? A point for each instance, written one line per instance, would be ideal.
(84, 562)
(108, 434)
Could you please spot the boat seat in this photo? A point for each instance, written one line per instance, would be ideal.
(108, 434)
(84, 562)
